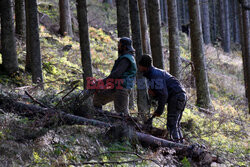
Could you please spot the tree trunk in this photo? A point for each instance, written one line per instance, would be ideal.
(225, 26)
(204, 5)
(65, 18)
(8, 43)
(184, 14)
(32, 41)
(161, 11)
(84, 39)
(166, 12)
(155, 33)
(179, 14)
(213, 21)
(122, 18)
(243, 47)
(174, 44)
(236, 22)
(142, 102)
(246, 32)
(144, 27)
(198, 58)
(20, 18)
(222, 23)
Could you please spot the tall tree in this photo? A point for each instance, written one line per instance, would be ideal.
(204, 5)
(8, 43)
(227, 42)
(166, 12)
(213, 20)
(183, 11)
(33, 57)
(155, 33)
(246, 32)
(179, 14)
(225, 26)
(236, 30)
(197, 55)
(65, 18)
(174, 45)
(82, 16)
(144, 27)
(122, 18)
(20, 17)
(142, 102)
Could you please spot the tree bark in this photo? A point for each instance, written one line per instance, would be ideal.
(155, 33)
(246, 32)
(166, 12)
(227, 43)
(174, 44)
(122, 18)
(243, 48)
(84, 40)
(224, 26)
(179, 14)
(20, 18)
(198, 58)
(8, 42)
(144, 27)
(32, 41)
(142, 102)
(65, 18)
(204, 5)
(236, 22)
(213, 21)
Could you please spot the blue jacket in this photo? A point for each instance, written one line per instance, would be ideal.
(164, 85)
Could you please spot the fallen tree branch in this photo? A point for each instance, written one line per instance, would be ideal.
(10, 105)
(36, 101)
(66, 96)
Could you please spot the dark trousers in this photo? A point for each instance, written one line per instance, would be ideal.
(119, 96)
(176, 106)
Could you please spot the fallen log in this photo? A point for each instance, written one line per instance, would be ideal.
(28, 110)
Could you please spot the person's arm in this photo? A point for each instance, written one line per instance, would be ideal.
(162, 97)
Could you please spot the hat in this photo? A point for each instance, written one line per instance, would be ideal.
(125, 41)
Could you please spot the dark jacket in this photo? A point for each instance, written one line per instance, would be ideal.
(164, 85)
(124, 68)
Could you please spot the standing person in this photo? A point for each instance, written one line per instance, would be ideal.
(121, 80)
(166, 89)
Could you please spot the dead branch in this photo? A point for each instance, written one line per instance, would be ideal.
(36, 101)
(66, 96)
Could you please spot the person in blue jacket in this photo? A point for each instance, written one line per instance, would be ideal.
(166, 89)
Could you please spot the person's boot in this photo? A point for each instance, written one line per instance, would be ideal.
(174, 129)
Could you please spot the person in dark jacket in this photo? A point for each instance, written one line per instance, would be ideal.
(118, 85)
(167, 90)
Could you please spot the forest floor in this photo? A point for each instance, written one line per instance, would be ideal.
(224, 129)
